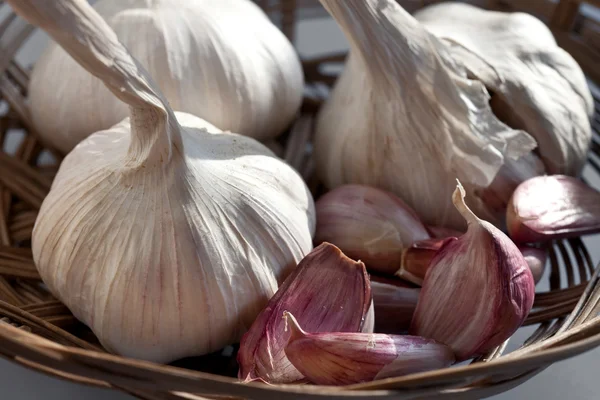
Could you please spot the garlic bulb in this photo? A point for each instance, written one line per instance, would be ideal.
(536, 85)
(223, 61)
(405, 117)
(165, 239)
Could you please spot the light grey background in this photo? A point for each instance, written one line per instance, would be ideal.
(576, 378)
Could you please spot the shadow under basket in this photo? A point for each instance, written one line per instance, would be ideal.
(37, 331)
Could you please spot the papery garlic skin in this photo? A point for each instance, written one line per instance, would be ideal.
(368, 224)
(173, 261)
(540, 86)
(477, 291)
(165, 239)
(404, 117)
(346, 358)
(223, 61)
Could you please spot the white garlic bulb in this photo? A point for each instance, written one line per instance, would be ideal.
(223, 61)
(165, 239)
(537, 85)
(405, 117)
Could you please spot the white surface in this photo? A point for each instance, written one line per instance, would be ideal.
(572, 379)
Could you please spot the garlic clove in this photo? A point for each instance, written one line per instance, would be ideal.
(536, 260)
(163, 238)
(417, 257)
(327, 291)
(552, 207)
(347, 358)
(368, 224)
(497, 196)
(394, 306)
(539, 86)
(478, 289)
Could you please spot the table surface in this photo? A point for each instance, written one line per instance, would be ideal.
(575, 378)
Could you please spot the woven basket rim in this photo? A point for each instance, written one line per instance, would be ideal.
(384, 387)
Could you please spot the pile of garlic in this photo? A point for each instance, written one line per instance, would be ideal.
(171, 238)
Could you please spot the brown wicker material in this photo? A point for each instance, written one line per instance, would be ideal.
(39, 332)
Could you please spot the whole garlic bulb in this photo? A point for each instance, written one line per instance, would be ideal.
(165, 239)
(223, 61)
(405, 117)
(537, 85)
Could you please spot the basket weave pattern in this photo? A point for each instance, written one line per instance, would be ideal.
(39, 332)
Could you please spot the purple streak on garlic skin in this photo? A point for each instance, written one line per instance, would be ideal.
(347, 358)
(368, 224)
(327, 292)
(552, 207)
(394, 306)
(536, 260)
(477, 292)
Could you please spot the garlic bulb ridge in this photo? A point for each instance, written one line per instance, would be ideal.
(405, 117)
(165, 239)
(223, 61)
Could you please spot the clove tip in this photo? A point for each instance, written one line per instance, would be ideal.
(296, 330)
(458, 199)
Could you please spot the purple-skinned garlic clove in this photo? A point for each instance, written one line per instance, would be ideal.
(478, 289)
(536, 258)
(394, 306)
(552, 207)
(368, 224)
(417, 257)
(346, 358)
(327, 292)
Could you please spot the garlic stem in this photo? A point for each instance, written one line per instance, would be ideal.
(87, 38)
(458, 199)
(361, 21)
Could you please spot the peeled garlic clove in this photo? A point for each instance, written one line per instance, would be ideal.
(394, 306)
(478, 289)
(165, 239)
(417, 257)
(539, 86)
(223, 61)
(346, 358)
(405, 117)
(368, 224)
(327, 292)
(552, 207)
(441, 232)
(536, 260)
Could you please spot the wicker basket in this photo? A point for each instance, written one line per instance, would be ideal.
(39, 332)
